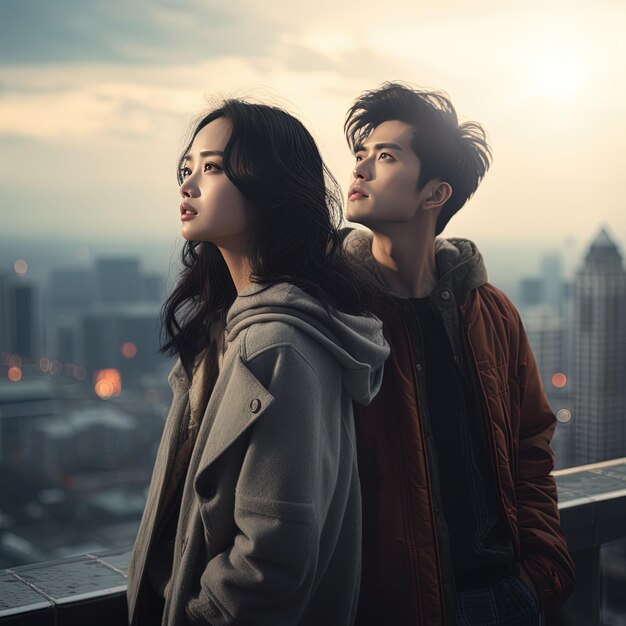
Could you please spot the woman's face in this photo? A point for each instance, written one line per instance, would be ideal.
(213, 209)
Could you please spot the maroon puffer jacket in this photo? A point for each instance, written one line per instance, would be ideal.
(403, 580)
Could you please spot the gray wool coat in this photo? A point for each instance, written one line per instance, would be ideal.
(269, 531)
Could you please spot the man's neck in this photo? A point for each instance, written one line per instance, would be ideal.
(406, 261)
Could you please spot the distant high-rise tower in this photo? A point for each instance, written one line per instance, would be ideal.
(599, 355)
(118, 280)
(552, 281)
(19, 317)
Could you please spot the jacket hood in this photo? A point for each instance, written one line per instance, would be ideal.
(355, 341)
(460, 265)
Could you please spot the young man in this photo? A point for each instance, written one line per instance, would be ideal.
(461, 524)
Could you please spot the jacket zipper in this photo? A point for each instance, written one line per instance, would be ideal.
(493, 448)
(420, 410)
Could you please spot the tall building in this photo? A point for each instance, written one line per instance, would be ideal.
(552, 281)
(118, 280)
(123, 337)
(546, 333)
(19, 317)
(599, 354)
(4, 311)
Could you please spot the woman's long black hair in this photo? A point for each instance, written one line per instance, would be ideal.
(275, 163)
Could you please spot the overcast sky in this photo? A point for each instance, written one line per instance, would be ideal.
(96, 97)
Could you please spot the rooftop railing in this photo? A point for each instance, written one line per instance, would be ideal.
(90, 589)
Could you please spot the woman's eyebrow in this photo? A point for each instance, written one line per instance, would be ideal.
(205, 153)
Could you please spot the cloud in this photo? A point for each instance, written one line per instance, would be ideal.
(95, 98)
(118, 31)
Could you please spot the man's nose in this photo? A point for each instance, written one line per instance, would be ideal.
(361, 171)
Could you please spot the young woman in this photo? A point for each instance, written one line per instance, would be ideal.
(253, 514)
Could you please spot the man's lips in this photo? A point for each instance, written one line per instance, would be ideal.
(356, 193)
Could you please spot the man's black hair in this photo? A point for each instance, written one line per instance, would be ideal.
(454, 153)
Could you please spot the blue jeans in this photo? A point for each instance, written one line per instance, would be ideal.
(507, 603)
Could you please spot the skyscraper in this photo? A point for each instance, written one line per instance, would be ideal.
(599, 355)
(118, 280)
(20, 332)
(552, 281)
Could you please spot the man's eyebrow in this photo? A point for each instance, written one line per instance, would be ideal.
(380, 146)
(205, 153)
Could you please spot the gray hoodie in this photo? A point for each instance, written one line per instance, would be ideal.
(269, 530)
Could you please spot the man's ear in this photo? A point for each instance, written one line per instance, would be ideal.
(437, 194)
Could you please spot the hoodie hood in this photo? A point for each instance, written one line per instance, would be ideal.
(355, 341)
(460, 265)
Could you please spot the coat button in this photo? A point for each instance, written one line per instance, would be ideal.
(445, 294)
(255, 405)
(418, 367)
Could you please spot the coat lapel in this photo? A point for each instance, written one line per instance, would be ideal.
(236, 404)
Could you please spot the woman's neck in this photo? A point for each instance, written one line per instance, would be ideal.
(238, 263)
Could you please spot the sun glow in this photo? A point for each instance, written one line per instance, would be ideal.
(555, 71)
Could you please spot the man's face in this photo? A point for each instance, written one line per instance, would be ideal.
(383, 186)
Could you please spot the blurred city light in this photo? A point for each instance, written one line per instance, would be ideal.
(107, 383)
(21, 267)
(564, 416)
(129, 349)
(559, 380)
(14, 374)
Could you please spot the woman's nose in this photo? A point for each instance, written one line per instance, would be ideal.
(188, 189)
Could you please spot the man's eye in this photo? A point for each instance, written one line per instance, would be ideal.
(384, 154)
(358, 158)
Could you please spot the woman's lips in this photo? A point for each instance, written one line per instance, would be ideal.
(187, 212)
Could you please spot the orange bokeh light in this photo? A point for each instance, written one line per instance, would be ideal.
(107, 383)
(14, 374)
(129, 349)
(559, 380)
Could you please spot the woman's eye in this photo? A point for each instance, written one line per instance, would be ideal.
(184, 172)
(210, 167)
